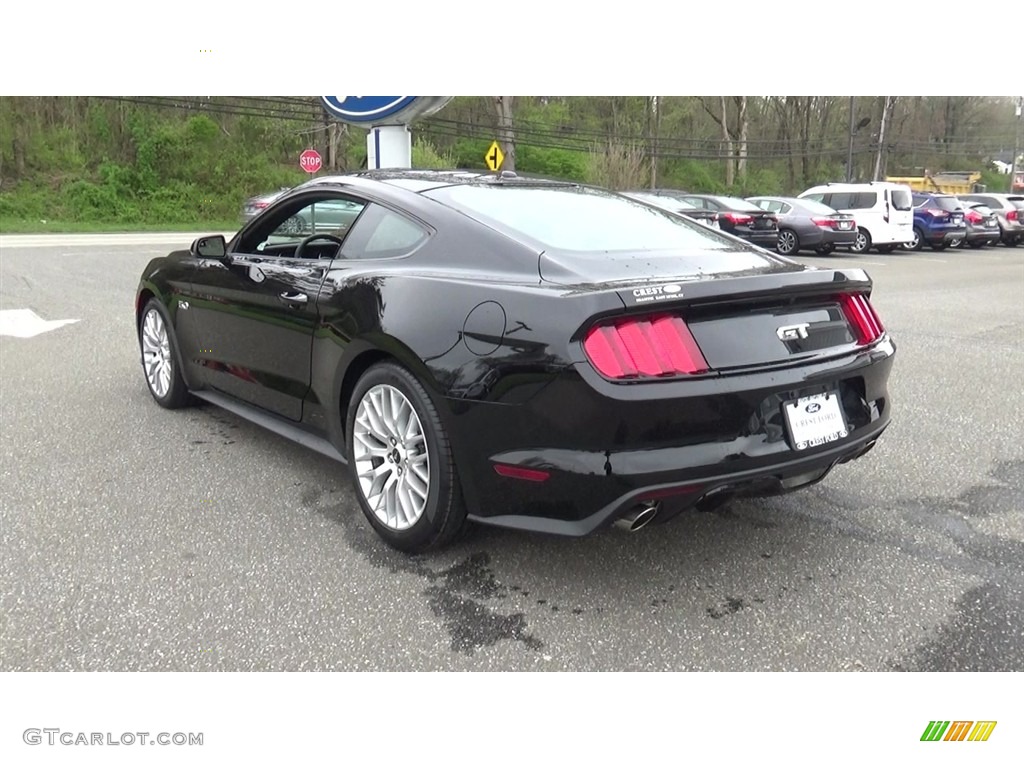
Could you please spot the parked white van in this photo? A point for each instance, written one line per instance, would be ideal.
(883, 211)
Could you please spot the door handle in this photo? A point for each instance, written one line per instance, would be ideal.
(294, 298)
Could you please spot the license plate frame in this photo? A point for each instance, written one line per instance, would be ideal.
(815, 420)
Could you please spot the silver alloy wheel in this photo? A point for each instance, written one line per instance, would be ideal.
(156, 353)
(391, 457)
(860, 244)
(787, 242)
(913, 244)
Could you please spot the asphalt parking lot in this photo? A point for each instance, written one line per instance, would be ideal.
(135, 538)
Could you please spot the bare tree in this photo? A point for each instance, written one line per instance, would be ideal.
(618, 166)
(886, 106)
(734, 137)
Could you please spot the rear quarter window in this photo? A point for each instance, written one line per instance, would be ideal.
(381, 234)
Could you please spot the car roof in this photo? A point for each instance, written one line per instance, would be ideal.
(791, 200)
(854, 186)
(421, 180)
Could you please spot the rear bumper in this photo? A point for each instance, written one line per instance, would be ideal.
(838, 238)
(767, 239)
(607, 447)
(944, 236)
(983, 235)
(675, 496)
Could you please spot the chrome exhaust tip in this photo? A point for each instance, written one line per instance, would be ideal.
(638, 517)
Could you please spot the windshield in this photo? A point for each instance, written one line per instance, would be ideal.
(576, 218)
(946, 204)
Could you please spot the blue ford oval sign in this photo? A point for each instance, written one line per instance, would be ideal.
(379, 110)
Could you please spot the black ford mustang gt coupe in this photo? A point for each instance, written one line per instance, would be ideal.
(533, 354)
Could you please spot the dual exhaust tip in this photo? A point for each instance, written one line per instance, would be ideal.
(639, 516)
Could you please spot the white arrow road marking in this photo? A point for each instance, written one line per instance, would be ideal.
(24, 323)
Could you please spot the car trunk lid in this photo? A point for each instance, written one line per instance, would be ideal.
(756, 320)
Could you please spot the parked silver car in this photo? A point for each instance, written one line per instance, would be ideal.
(1009, 211)
(256, 204)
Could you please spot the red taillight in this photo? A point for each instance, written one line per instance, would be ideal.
(737, 218)
(1011, 215)
(522, 473)
(973, 216)
(862, 317)
(260, 204)
(647, 346)
(825, 223)
(938, 213)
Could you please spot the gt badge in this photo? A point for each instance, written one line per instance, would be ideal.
(793, 332)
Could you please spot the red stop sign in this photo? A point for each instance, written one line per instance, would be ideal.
(310, 161)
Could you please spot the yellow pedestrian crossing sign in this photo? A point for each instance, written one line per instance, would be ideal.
(494, 157)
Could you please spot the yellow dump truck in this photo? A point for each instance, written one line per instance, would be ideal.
(947, 182)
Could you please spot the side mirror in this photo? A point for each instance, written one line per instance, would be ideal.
(210, 247)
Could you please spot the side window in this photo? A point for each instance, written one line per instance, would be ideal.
(841, 200)
(866, 200)
(381, 234)
(818, 197)
(900, 199)
(784, 208)
(325, 217)
(281, 232)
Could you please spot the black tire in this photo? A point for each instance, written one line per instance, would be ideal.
(863, 242)
(788, 243)
(886, 248)
(824, 250)
(444, 514)
(177, 394)
(939, 246)
(975, 244)
(917, 242)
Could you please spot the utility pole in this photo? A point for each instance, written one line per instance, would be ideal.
(653, 141)
(849, 149)
(881, 139)
(1016, 144)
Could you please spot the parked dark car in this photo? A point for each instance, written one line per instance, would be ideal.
(1009, 211)
(740, 218)
(532, 354)
(982, 224)
(808, 224)
(673, 201)
(938, 221)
